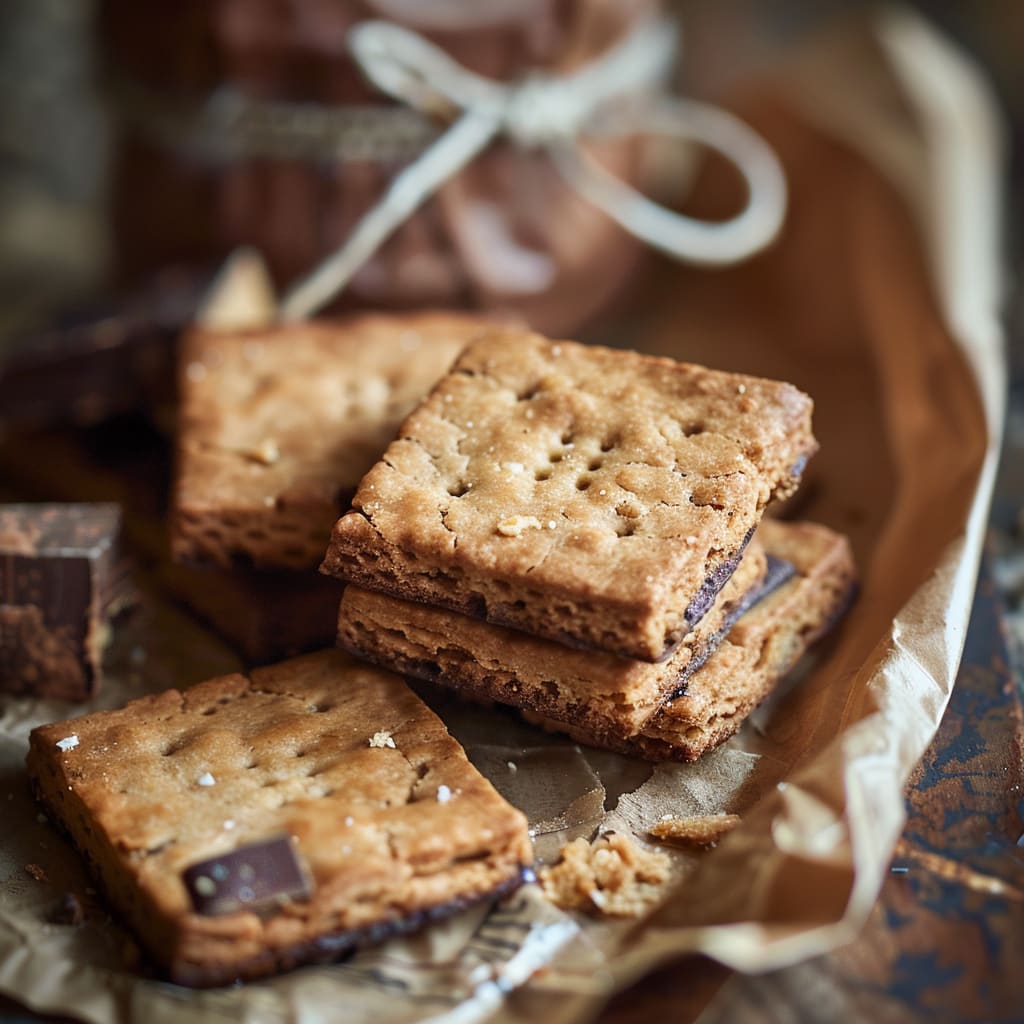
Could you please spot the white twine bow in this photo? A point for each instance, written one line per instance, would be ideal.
(607, 98)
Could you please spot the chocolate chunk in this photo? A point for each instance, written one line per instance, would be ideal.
(253, 877)
(61, 581)
(98, 362)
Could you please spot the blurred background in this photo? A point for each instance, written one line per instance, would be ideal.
(83, 202)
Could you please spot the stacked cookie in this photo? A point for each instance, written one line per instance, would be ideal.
(256, 822)
(573, 531)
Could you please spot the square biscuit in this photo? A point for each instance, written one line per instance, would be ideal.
(385, 822)
(601, 693)
(763, 645)
(595, 497)
(278, 425)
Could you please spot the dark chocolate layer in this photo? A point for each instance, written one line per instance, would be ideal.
(719, 576)
(779, 572)
(331, 948)
(102, 361)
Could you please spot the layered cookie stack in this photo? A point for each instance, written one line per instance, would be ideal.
(571, 530)
(276, 428)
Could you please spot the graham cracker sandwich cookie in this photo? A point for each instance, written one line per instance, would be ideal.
(278, 425)
(763, 645)
(257, 822)
(596, 497)
(601, 693)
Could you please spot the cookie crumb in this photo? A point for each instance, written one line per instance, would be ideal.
(610, 876)
(701, 830)
(206, 779)
(36, 872)
(382, 739)
(68, 743)
(515, 525)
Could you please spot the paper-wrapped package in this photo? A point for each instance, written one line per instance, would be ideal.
(292, 177)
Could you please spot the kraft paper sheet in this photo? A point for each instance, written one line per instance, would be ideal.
(881, 300)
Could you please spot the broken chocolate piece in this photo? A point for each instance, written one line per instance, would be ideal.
(61, 581)
(253, 877)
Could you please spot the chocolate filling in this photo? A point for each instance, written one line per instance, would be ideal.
(334, 946)
(778, 572)
(709, 589)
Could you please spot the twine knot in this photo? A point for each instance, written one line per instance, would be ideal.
(618, 94)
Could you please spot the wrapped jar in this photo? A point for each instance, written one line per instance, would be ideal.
(248, 122)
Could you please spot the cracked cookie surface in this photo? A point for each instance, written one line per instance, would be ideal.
(391, 831)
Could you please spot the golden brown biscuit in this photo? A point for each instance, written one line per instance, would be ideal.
(180, 802)
(277, 426)
(761, 648)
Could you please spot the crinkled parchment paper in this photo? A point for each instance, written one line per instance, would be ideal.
(880, 300)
